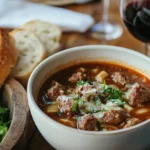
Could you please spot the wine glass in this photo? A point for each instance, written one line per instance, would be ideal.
(136, 17)
(106, 29)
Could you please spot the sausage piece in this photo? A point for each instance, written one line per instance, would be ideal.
(137, 95)
(112, 117)
(87, 122)
(55, 91)
(119, 78)
(65, 104)
(76, 77)
(131, 122)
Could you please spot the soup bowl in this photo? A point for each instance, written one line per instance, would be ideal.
(62, 137)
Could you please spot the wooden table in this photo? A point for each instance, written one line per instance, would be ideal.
(36, 141)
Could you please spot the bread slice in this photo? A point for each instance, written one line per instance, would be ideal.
(8, 55)
(47, 33)
(31, 53)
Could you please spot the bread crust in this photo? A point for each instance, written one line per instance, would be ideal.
(8, 55)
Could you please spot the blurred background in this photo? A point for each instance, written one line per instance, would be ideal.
(17, 12)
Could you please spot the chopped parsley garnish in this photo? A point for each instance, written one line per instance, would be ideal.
(82, 102)
(74, 106)
(90, 82)
(92, 110)
(113, 95)
(103, 110)
(76, 98)
(104, 85)
(118, 101)
(97, 101)
(80, 83)
(77, 101)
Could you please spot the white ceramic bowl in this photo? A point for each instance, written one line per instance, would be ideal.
(65, 138)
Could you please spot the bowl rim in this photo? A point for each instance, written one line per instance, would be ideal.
(46, 118)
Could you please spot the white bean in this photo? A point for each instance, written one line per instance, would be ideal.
(68, 122)
(95, 71)
(101, 76)
(142, 111)
(53, 108)
(81, 69)
(128, 107)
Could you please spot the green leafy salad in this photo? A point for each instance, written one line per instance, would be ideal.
(4, 122)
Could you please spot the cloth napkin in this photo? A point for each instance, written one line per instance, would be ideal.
(14, 13)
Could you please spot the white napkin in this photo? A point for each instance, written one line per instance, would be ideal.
(14, 13)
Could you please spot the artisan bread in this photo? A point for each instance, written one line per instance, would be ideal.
(47, 33)
(31, 53)
(8, 55)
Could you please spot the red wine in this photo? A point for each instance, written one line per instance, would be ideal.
(137, 19)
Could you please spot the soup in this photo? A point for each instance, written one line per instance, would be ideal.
(96, 96)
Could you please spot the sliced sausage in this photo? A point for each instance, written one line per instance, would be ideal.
(131, 122)
(55, 90)
(137, 95)
(76, 77)
(87, 122)
(65, 104)
(112, 117)
(119, 78)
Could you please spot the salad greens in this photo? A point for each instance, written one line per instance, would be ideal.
(4, 122)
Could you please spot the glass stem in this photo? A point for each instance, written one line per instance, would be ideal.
(105, 10)
(147, 49)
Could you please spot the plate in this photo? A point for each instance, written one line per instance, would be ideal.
(55, 2)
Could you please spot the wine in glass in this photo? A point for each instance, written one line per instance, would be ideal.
(136, 17)
(106, 29)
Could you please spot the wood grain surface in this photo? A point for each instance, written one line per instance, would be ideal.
(72, 39)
